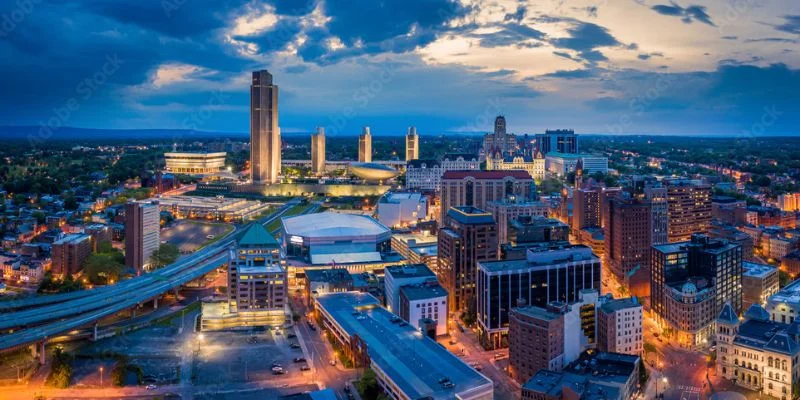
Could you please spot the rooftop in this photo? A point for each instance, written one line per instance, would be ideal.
(757, 270)
(543, 256)
(423, 291)
(767, 335)
(620, 304)
(330, 275)
(255, 235)
(470, 215)
(788, 294)
(413, 362)
(409, 271)
(333, 225)
(537, 312)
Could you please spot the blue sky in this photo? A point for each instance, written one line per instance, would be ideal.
(602, 66)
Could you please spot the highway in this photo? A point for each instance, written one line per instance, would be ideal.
(88, 306)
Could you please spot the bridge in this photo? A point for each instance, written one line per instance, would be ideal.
(33, 321)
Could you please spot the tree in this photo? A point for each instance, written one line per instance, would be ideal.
(165, 255)
(550, 185)
(61, 373)
(368, 386)
(103, 268)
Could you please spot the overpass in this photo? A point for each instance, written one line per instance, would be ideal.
(40, 318)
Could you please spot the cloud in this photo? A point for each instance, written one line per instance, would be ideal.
(585, 38)
(771, 40)
(511, 34)
(688, 15)
(790, 25)
(517, 16)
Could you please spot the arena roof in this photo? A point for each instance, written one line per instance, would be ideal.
(334, 225)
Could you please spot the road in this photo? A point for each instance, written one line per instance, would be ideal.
(94, 305)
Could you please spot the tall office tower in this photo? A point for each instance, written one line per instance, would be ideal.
(656, 194)
(142, 225)
(627, 243)
(477, 188)
(265, 135)
(412, 144)
(535, 341)
(691, 282)
(558, 141)
(468, 235)
(620, 326)
(586, 212)
(689, 203)
(318, 151)
(499, 142)
(365, 146)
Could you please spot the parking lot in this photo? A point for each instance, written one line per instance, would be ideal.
(226, 357)
(191, 235)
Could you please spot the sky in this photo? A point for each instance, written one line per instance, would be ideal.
(722, 67)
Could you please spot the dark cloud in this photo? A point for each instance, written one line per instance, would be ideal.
(688, 14)
(511, 34)
(730, 37)
(647, 56)
(771, 40)
(790, 25)
(573, 74)
(517, 16)
(585, 38)
(296, 69)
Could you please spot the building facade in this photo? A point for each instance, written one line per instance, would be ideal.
(620, 326)
(265, 134)
(412, 144)
(142, 232)
(69, 253)
(759, 283)
(689, 203)
(194, 163)
(535, 341)
(534, 165)
(558, 141)
(500, 141)
(424, 301)
(469, 235)
(627, 235)
(511, 208)
(318, 151)
(365, 146)
(546, 275)
(477, 188)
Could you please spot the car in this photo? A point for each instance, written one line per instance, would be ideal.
(299, 359)
(333, 362)
(311, 326)
(281, 372)
(276, 365)
(209, 237)
(304, 368)
(278, 333)
(291, 336)
(277, 368)
(151, 387)
(294, 346)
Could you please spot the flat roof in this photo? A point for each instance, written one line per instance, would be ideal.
(413, 362)
(756, 270)
(542, 257)
(470, 215)
(333, 225)
(537, 312)
(409, 271)
(788, 294)
(620, 304)
(423, 291)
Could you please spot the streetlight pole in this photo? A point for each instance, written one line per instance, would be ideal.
(101, 376)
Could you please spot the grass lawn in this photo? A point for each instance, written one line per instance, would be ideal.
(298, 209)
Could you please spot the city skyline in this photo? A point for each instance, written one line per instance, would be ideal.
(645, 67)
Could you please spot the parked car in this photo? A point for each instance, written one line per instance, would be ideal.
(304, 368)
(151, 387)
(299, 359)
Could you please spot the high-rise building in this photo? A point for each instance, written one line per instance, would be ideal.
(318, 151)
(689, 203)
(412, 144)
(535, 341)
(558, 141)
(507, 209)
(547, 274)
(690, 283)
(656, 195)
(256, 278)
(365, 146)
(627, 243)
(619, 326)
(397, 276)
(499, 142)
(469, 235)
(265, 135)
(142, 227)
(586, 212)
(69, 253)
(759, 282)
(477, 188)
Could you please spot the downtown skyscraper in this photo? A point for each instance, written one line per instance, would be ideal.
(365, 146)
(318, 151)
(265, 135)
(412, 144)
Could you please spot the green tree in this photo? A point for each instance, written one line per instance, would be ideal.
(368, 386)
(165, 255)
(61, 373)
(103, 268)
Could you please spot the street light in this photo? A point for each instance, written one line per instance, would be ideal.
(101, 376)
